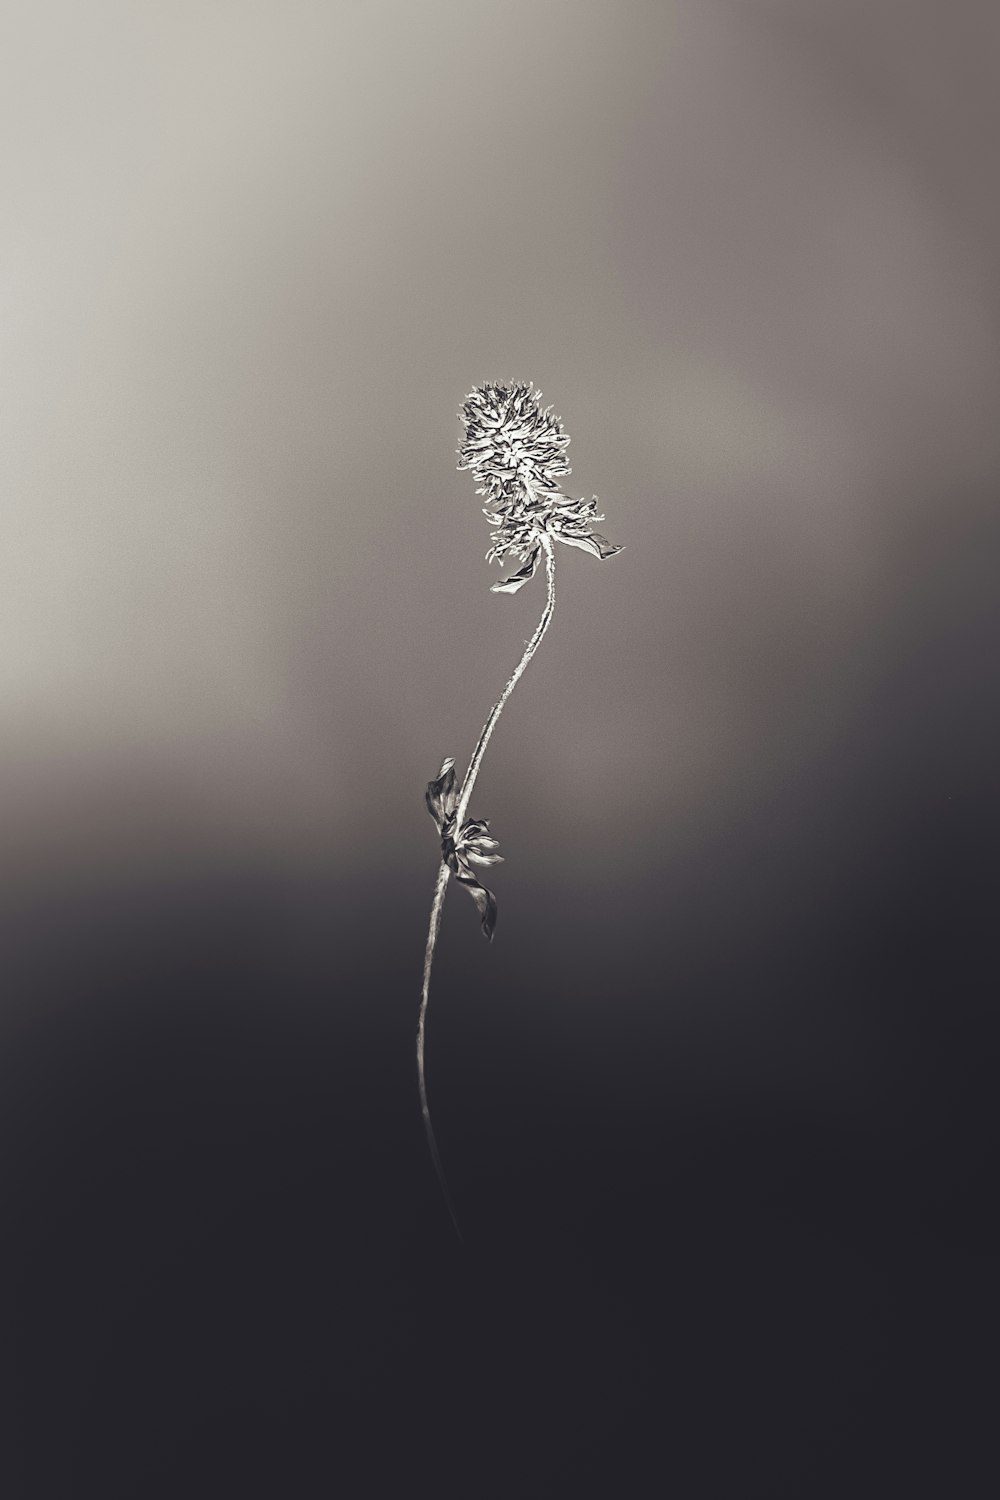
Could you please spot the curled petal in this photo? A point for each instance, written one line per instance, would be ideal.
(519, 579)
(473, 842)
(483, 841)
(590, 541)
(441, 796)
(478, 844)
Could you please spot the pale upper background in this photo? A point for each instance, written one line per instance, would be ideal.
(253, 257)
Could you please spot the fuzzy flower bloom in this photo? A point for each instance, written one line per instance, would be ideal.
(517, 453)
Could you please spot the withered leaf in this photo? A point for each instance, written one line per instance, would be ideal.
(519, 579)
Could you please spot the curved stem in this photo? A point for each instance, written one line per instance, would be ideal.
(531, 648)
(437, 904)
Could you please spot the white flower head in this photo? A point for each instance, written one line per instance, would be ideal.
(517, 452)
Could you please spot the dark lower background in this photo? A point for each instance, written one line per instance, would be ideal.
(722, 1140)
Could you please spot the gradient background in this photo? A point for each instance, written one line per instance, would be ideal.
(717, 1105)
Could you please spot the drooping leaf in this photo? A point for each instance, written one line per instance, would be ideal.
(519, 579)
(486, 902)
(590, 541)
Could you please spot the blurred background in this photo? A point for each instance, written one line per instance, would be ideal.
(717, 1105)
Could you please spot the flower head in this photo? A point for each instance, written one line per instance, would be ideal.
(509, 440)
(517, 452)
(472, 842)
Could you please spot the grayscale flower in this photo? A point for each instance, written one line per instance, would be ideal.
(473, 842)
(517, 453)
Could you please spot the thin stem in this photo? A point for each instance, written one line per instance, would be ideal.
(532, 647)
(437, 906)
(444, 873)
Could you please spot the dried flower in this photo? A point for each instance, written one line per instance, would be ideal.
(517, 452)
(472, 842)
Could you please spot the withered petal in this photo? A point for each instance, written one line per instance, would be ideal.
(441, 796)
(519, 579)
(590, 541)
(483, 841)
